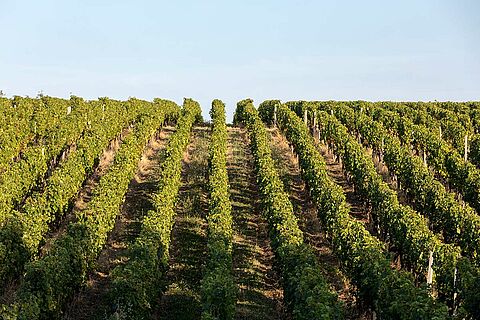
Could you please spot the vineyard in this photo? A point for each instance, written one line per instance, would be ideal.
(298, 210)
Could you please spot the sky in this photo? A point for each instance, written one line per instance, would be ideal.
(274, 49)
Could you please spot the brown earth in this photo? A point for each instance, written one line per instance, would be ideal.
(92, 301)
(260, 295)
(181, 300)
(288, 168)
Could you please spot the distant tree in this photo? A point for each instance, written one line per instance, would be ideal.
(2, 94)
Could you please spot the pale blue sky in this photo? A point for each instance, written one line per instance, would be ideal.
(373, 50)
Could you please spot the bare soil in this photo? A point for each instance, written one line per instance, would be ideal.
(260, 295)
(85, 193)
(188, 249)
(358, 207)
(288, 168)
(92, 301)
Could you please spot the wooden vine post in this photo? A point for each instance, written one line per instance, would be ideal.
(383, 148)
(430, 268)
(275, 115)
(305, 118)
(465, 153)
(455, 291)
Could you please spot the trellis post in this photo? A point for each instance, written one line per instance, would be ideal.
(275, 115)
(430, 268)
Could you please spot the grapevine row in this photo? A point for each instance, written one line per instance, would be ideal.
(455, 127)
(461, 175)
(23, 175)
(452, 126)
(458, 224)
(51, 281)
(14, 126)
(218, 287)
(22, 120)
(406, 230)
(136, 284)
(306, 293)
(458, 115)
(392, 294)
(401, 226)
(24, 231)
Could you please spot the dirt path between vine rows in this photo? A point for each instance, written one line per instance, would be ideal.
(382, 169)
(85, 192)
(59, 226)
(92, 302)
(260, 295)
(188, 248)
(358, 207)
(305, 210)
